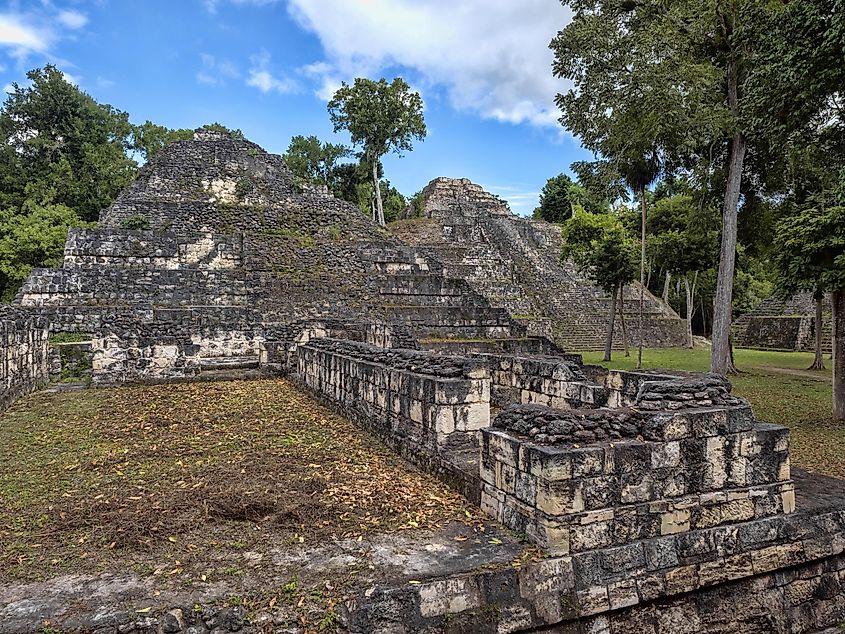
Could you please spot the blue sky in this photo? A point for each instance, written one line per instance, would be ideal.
(269, 66)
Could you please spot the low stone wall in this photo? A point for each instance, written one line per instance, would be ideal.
(23, 355)
(684, 472)
(780, 575)
(553, 381)
(791, 332)
(425, 401)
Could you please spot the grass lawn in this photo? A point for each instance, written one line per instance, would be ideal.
(780, 389)
(166, 479)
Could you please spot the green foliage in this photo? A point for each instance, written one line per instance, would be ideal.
(809, 251)
(312, 161)
(380, 118)
(60, 147)
(599, 245)
(561, 195)
(148, 138)
(136, 222)
(416, 203)
(394, 202)
(235, 134)
(35, 238)
(680, 242)
(243, 187)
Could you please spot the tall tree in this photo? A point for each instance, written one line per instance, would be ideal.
(380, 118)
(63, 148)
(683, 245)
(679, 75)
(599, 245)
(561, 195)
(810, 255)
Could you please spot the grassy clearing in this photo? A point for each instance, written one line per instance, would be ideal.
(164, 479)
(779, 388)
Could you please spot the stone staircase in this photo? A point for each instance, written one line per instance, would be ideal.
(228, 368)
(442, 312)
(515, 264)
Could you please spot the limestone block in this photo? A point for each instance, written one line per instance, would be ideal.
(681, 579)
(505, 477)
(787, 497)
(560, 498)
(472, 417)
(549, 463)
(596, 534)
(501, 446)
(676, 521)
(622, 594)
(587, 461)
(449, 596)
(593, 600)
(665, 455)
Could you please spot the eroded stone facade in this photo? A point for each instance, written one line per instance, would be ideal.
(24, 363)
(515, 264)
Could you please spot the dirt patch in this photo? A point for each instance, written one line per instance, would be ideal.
(172, 480)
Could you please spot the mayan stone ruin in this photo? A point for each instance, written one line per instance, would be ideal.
(515, 264)
(656, 502)
(784, 324)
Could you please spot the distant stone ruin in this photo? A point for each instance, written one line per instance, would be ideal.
(657, 500)
(784, 324)
(515, 264)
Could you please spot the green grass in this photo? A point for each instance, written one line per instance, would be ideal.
(780, 389)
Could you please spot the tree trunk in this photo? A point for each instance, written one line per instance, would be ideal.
(377, 186)
(608, 342)
(622, 317)
(838, 301)
(689, 294)
(666, 283)
(642, 278)
(818, 362)
(720, 355)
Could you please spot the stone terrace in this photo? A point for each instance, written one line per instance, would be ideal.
(515, 263)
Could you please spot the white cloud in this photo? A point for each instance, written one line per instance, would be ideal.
(262, 78)
(36, 31)
(71, 79)
(521, 202)
(23, 36)
(72, 19)
(491, 58)
(216, 71)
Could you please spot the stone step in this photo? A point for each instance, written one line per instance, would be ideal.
(228, 363)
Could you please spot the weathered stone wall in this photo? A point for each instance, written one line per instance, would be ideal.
(779, 575)
(784, 324)
(429, 402)
(554, 381)
(515, 264)
(23, 354)
(151, 249)
(690, 456)
(778, 333)
(444, 196)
